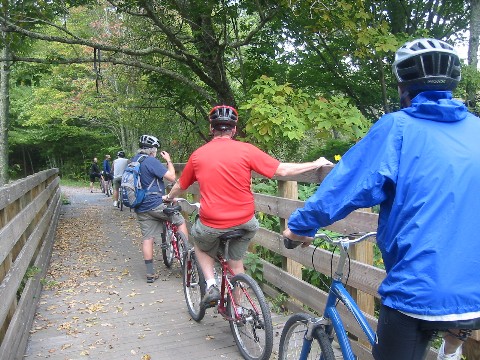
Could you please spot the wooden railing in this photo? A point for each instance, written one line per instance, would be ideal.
(364, 278)
(29, 210)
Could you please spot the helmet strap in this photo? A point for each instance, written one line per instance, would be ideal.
(405, 100)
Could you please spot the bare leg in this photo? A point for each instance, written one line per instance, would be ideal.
(147, 249)
(451, 343)
(184, 230)
(206, 263)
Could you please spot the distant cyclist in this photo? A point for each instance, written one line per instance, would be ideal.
(118, 167)
(107, 169)
(150, 214)
(223, 169)
(421, 164)
(94, 173)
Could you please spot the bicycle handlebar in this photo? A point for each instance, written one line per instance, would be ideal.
(179, 199)
(344, 240)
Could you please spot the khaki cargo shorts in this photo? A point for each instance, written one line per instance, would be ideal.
(206, 238)
(151, 222)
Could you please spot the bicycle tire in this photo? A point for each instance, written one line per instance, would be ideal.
(291, 340)
(167, 246)
(193, 286)
(182, 244)
(254, 333)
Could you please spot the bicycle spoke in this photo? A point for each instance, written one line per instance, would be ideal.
(292, 338)
(193, 287)
(253, 332)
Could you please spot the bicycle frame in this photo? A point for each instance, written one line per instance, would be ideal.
(174, 229)
(331, 318)
(227, 287)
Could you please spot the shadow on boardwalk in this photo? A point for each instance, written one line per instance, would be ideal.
(96, 303)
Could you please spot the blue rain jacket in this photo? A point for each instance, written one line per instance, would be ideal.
(422, 165)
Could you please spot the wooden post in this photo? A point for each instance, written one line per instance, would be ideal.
(289, 190)
(471, 347)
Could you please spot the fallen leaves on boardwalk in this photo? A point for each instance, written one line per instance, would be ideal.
(89, 285)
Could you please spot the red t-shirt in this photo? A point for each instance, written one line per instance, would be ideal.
(223, 171)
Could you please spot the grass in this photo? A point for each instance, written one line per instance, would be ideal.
(74, 183)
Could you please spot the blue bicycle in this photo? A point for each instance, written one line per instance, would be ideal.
(307, 337)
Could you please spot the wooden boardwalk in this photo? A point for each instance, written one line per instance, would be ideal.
(96, 303)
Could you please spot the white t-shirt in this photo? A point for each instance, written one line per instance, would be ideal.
(119, 166)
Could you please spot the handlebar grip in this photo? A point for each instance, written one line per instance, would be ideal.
(290, 244)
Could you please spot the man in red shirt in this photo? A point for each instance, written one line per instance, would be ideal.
(222, 169)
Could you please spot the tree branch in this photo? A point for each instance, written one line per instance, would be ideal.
(132, 63)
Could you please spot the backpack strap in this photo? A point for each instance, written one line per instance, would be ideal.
(140, 160)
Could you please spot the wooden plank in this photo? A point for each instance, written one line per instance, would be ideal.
(11, 192)
(357, 221)
(362, 276)
(10, 233)
(21, 323)
(11, 282)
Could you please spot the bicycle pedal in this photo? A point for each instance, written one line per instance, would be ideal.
(164, 246)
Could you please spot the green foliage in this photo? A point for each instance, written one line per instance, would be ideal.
(278, 304)
(30, 273)
(253, 266)
(279, 113)
(329, 149)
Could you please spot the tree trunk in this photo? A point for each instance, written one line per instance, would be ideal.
(473, 48)
(4, 111)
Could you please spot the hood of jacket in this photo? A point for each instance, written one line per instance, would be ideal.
(437, 106)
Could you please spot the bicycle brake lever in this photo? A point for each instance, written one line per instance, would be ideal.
(291, 244)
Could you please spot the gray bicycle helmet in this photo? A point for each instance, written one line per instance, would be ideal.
(223, 117)
(149, 141)
(427, 64)
(121, 154)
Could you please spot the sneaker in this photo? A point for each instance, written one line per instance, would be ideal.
(151, 278)
(211, 296)
(115, 203)
(457, 355)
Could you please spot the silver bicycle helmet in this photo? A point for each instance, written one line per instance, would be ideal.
(149, 141)
(121, 154)
(427, 64)
(223, 117)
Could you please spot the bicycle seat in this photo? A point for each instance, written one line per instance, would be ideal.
(472, 324)
(172, 209)
(232, 234)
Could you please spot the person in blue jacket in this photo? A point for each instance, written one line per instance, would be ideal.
(422, 165)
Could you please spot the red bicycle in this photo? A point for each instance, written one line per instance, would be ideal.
(242, 302)
(174, 242)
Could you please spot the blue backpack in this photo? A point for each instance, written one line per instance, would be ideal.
(132, 191)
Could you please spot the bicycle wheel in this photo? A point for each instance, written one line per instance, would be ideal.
(167, 246)
(193, 286)
(291, 340)
(254, 332)
(108, 188)
(182, 244)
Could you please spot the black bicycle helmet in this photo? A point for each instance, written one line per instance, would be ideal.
(427, 64)
(149, 141)
(223, 117)
(121, 154)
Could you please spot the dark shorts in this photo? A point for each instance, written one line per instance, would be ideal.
(400, 337)
(206, 238)
(93, 176)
